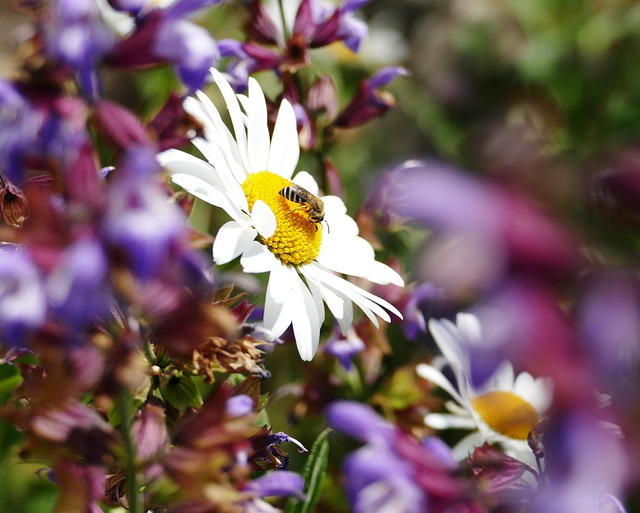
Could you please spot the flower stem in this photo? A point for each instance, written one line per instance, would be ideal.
(285, 30)
(133, 486)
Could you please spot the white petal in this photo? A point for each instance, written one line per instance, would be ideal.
(503, 377)
(430, 373)
(445, 335)
(340, 306)
(469, 327)
(467, 445)
(277, 314)
(257, 129)
(307, 181)
(343, 255)
(231, 241)
(306, 324)
(201, 180)
(218, 134)
(355, 256)
(334, 205)
(383, 274)
(446, 421)
(263, 219)
(364, 299)
(316, 293)
(235, 113)
(285, 148)
(257, 258)
(214, 155)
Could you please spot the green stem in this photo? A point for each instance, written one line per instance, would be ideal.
(133, 485)
(285, 31)
(148, 352)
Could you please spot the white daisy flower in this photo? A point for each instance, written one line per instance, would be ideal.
(245, 174)
(504, 410)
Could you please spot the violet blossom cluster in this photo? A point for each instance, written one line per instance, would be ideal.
(112, 322)
(136, 375)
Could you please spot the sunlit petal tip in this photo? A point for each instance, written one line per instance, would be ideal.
(257, 259)
(263, 219)
(231, 241)
(304, 179)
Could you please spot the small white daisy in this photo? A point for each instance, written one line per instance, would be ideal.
(244, 175)
(504, 410)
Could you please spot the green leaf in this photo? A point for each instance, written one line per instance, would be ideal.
(314, 473)
(10, 378)
(181, 392)
(9, 437)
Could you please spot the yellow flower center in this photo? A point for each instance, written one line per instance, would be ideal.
(507, 413)
(297, 238)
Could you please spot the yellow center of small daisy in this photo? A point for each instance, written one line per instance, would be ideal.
(297, 238)
(506, 413)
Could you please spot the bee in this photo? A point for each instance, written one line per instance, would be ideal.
(308, 202)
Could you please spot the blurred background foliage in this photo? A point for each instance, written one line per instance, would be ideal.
(536, 94)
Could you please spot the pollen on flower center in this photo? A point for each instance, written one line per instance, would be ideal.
(507, 413)
(297, 238)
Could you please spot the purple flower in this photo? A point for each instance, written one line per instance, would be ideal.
(78, 287)
(609, 326)
(78, 37)
(19, 127)
(359, 421)
(149, 431)
(22, 299)
(344, 347)
(587, 466)
(316, 24)
(279, 483)
(190, 48)
(482, 230)
(131, 6)
(352, 31)
(140, 223)
(239, 405)
(377, 480)
(163, 35)
(394, 472)
(369, 102)
(267, 453)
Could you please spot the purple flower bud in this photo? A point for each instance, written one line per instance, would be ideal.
(57, 424)
(360, 422)
(384, 76)
(279, 483)
(352, 31)
(239, 405)
(368, 102)
(149, 431)
(190, 48)
(119, 126)
(22, 299)
(323, 97)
